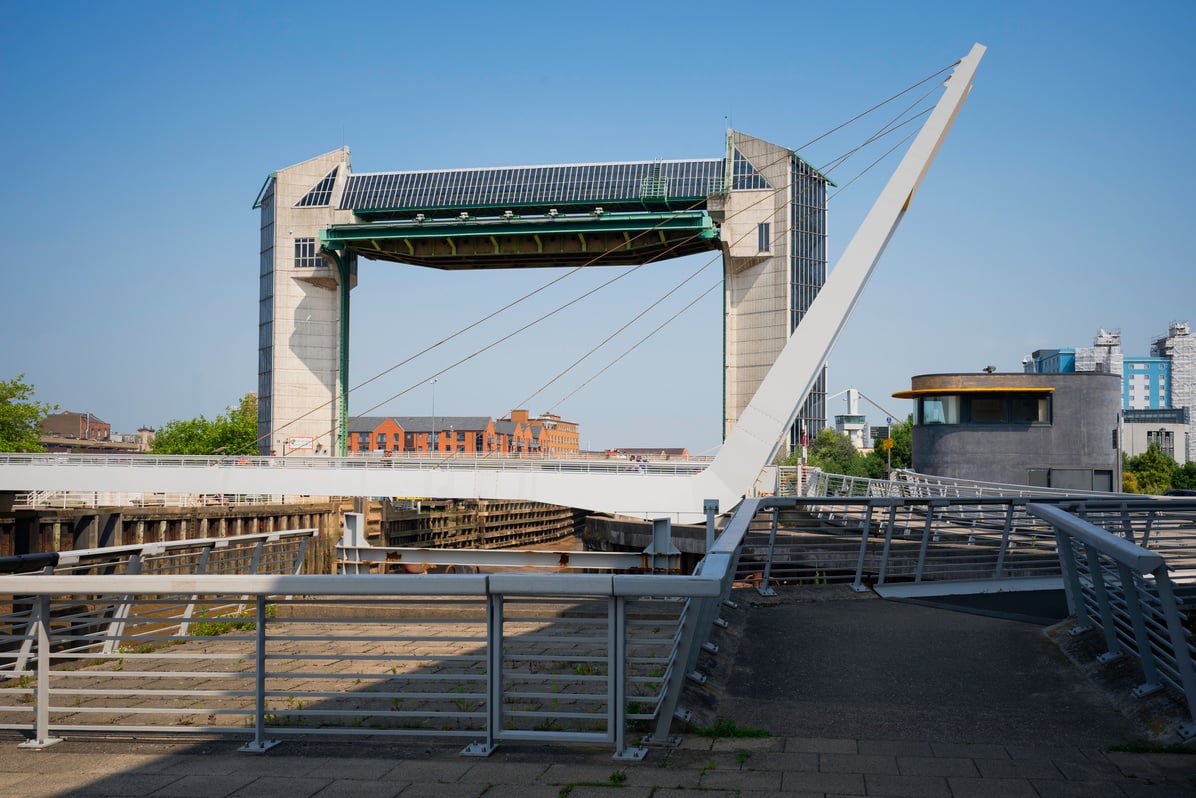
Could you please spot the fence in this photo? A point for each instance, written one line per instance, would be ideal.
(1130, 593)
(576, 657)
(590, 654)
(66, 499)
(101, 623)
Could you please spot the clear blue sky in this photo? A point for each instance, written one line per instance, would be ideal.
(139, 134)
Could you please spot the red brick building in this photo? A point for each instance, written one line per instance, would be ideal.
(478, 435)
(83, 426)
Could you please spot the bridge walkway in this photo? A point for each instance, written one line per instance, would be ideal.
(861, 696)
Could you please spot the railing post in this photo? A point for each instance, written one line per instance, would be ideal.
(765, 589)
(1180, 647)
(1005, 533)
(41, 721)
(710, 507)
(201, 568)
(301, 554)
(858, 584)
(1129, 590)
(1071, 581)
(259, 742)
(1107, 621)
(617, 686)
(884, 557)
(120, 613)
(27, 646)
(687, 647)
(924, 544)
(494, 654)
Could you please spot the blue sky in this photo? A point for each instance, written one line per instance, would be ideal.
(139, 134)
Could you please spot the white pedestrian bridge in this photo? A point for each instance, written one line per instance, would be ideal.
(674, 490)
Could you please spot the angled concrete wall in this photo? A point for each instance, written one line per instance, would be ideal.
(299, 322)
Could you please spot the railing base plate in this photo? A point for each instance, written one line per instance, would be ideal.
(1143, 690)
(671, 742)
(478, 749)
(258, 747)
(36, 744)
(631, 754)
(1187, 731)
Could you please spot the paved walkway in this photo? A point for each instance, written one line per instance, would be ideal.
(863, 697)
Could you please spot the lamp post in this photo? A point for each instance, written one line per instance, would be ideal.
(432, 443)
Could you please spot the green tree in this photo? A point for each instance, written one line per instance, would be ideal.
(832, 452)
(901, 455)
(1153, 470)
(232, 432)
(1185, 476)
(20, 417)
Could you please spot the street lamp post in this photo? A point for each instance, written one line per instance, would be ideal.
(432, 443)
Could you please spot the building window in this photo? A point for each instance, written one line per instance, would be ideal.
(1011, 408)
(938, 410)
(380, 440)
(764, 237)
(363, 441)
(1164, 439)
(305, 254)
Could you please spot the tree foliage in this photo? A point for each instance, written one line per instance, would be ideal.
(20, 417)
(233, 432)
(1153, 472)
(1185, 476)
(832, 452)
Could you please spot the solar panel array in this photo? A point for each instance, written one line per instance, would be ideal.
(580, 184)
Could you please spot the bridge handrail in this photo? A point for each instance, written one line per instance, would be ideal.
(441, 462)
(1128, 592)
(659, 687)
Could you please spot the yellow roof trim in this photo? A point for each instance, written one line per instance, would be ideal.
(914, 394)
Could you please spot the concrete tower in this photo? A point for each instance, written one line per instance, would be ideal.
(773, 232)
(303, 319)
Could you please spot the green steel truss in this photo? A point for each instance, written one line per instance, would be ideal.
(612, 239)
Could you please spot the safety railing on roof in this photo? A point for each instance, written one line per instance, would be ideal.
(1142, 604)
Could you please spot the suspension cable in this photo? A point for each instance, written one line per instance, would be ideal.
(833, 164)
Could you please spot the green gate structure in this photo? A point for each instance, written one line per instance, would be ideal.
(761, 205)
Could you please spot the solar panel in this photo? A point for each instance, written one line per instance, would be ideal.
(578, 184)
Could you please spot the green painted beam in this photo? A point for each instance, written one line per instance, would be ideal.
(335, 236)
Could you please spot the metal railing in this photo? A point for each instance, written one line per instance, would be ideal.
(100, 623)
(905, 546)
(90, 499)
(564, 657)
(582, 653)
(1134, 596)
(908, 483)
(416, 462)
